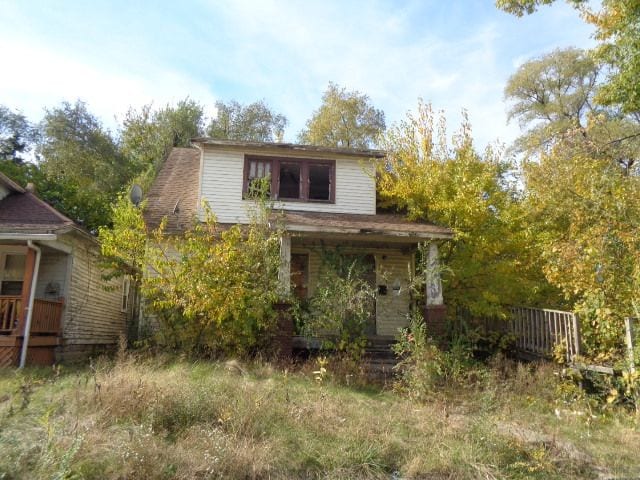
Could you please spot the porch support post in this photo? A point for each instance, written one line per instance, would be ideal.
(434, 283)
(32, 296)
(29, 266)
(435, 311)
(284, 273)
(283, 341)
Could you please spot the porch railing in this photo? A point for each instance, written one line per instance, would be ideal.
(540, 331)
(10, 311)
(46, 318)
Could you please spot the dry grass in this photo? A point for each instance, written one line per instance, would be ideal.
(155, 418)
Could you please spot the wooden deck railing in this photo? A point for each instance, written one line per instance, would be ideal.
(540, 331)
(46, 318)
(10, 311)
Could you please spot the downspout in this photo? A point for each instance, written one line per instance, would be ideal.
(32, 297)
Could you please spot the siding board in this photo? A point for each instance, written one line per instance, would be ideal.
(93, 314)
(222, 177)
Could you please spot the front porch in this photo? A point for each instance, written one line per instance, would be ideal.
(387, 249)
(19, 265)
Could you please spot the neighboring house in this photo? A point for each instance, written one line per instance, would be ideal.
(328, 200)
(51, 291)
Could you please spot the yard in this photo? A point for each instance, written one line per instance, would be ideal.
(170, 418)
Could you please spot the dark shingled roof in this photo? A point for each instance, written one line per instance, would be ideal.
(174, 193)
(22, 212)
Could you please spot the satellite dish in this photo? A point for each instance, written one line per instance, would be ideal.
(135, 195)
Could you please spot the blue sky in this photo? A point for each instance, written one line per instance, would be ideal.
(456, 54)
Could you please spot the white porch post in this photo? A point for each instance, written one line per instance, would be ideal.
(433, 280)
(284, 273)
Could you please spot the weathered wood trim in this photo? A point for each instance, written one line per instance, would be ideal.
(29, 267)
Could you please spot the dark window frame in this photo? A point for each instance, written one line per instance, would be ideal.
(304, 177)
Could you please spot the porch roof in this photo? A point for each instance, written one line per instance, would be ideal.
(385, 225)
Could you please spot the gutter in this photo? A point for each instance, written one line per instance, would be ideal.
(28, 236)
(32, 297)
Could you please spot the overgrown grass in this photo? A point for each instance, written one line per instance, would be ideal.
(161, 418)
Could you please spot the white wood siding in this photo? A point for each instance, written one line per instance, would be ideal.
(53, 270)
(92, 314)
(222, 178)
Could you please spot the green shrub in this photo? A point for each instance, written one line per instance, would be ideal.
(424, 367)
(341, 304)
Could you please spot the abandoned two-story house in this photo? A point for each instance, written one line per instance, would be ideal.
(327, 197)
(53, 302)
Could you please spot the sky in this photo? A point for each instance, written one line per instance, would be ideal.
(456, 54)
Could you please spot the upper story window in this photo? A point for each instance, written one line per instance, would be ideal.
(292, 179)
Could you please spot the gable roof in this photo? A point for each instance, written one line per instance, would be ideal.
(23, 212)
(10, 184)
(175, 192)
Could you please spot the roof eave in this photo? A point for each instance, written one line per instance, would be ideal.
(294, 147)
(419, 236)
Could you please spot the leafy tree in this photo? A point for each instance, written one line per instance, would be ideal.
(82, 167)
(552, 94)
(148, 135)
(17, 135)
(618, 30)
(75, 148)
(345, 119)
(584, 209)
(212, 290)
(492, 261)
(255, 122)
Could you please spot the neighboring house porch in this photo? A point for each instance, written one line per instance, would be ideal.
(52, 294)
(17, 274)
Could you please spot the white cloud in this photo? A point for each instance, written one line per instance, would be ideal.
(457, 56)
(43, 77)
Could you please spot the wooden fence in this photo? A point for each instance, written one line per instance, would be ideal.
(540, 332)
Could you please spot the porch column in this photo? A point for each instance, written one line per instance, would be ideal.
(27, 280)
(284, 273)
(435, 311)
(283, 341)
(434, 283)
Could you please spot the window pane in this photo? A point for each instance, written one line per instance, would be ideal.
(14, 267)
(289, 180)
(11, 288)
(319, 182)
(258, 169)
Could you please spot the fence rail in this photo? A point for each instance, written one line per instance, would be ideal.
(541, 331)
(10, 309)
(47, 316)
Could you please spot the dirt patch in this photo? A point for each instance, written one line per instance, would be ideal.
(561, 448)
